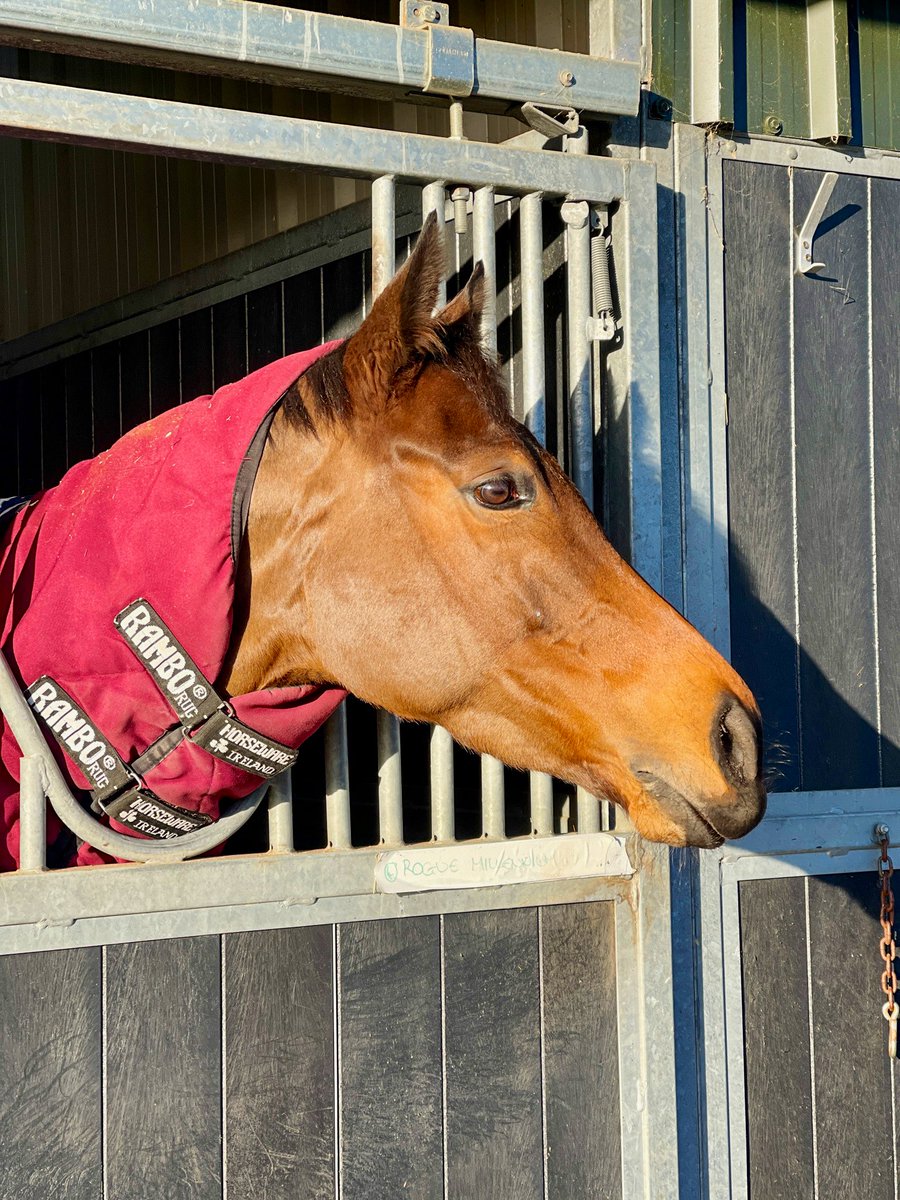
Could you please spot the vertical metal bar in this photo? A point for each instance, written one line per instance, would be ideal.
(638, 286)
(535, 412)
(493, 805)
(337, 780)
(280, 802)
(532, 281)
(443, 825)
(578, 311)
(712, 55)
(827, 39)
(484, 251)
(706, 605)
(32, 815)
(390, 785)
(577, 217)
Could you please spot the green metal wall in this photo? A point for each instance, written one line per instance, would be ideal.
(828, 69)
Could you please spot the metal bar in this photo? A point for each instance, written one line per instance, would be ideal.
(25, 729)
(493, 801)
(337, 780)
(828, 50)
(635, 236)
(615, 29)
(712, 55)
(531, 253)
(390, 784)
(484, 251)
(532, 281)
(308, 49)
(443, 820)
(32, 815)
(733, 1059)
(702, 437)
(51, 914)
(281, 814)
(384, 219)
(53, 112)
(576, 214)
(855, 160)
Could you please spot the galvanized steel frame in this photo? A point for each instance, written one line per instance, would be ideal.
(812, 833)
(46, 910)
(343, 54)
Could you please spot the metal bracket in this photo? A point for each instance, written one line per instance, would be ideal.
(804, 243)
(550, 120)
(449, 51)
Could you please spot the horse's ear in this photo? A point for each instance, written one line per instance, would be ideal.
(461, 319)
(401, 325)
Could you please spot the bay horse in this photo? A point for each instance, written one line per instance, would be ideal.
(401, 537)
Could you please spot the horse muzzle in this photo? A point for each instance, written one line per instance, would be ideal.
(697, 816)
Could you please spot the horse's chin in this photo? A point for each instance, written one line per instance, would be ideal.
(658, 811)
(689, 826)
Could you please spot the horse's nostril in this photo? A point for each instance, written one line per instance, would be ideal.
(736, 742)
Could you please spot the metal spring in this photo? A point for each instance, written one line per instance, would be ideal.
(600, 276)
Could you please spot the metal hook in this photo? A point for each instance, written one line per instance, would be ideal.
(804, 244)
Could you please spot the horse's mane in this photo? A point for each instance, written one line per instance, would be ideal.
(325, 385)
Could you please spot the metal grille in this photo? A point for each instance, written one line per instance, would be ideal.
(527, 214)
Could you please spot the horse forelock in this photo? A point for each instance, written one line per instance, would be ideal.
(324, 389)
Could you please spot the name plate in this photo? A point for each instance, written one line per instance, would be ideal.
(490, 864)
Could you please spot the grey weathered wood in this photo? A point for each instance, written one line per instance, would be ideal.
(886, 429)
(391, 1119)
(777, 1049)
(50, 1063)
(834, 533)
(581, 1060)
(163, 1070)
(853, 1075)
(279, 1063)
(493, 1066)
(758, 296)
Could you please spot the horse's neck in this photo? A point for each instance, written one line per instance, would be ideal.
(268, 646)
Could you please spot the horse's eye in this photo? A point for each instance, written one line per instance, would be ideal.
(497, 493)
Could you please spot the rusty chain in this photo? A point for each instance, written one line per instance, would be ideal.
(888, 946)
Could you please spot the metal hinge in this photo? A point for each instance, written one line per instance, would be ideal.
(450, 50)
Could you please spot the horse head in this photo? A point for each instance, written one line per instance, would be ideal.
(412, 542)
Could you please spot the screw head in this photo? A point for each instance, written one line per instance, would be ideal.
(773, 125)
(661, 108)
(566, 78)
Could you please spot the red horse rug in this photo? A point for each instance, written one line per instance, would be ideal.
(117, 590)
